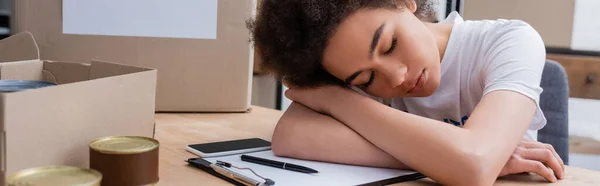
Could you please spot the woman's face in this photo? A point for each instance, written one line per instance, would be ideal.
(386, 53)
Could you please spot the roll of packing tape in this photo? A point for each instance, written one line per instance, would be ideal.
(20, 85)
(125, 160)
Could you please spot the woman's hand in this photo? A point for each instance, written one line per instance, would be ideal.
(536, 157)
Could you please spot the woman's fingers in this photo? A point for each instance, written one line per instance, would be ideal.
(538, 145)
(551, 148)
(546, 157)
(538, 168)
(536, 157)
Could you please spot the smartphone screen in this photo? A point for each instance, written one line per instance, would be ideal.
(230, 147)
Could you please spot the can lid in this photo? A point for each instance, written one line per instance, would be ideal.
(55, 175)
(124, 144)
(19, 85)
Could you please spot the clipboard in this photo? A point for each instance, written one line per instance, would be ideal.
(259, 169)
(399, 179)
(200, 164)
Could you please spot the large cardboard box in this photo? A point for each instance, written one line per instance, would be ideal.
(195, 74)
(54, 125)
(553, 19)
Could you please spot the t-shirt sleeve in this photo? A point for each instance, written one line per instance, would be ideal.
(516, 59)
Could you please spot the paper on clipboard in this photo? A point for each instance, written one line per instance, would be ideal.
(330, 174)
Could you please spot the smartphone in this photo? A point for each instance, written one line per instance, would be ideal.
(232, 147)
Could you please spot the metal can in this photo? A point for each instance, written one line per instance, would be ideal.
(131, 157)
(56, 176)
(124, 144)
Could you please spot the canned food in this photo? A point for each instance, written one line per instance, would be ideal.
(124, 145)
(131, 157)
(56, 176)
(20, 85)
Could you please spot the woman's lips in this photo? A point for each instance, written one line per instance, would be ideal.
(419, 84)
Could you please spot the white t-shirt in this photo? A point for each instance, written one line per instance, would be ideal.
(481, 57)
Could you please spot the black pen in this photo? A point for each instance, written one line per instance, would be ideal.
(278, 164)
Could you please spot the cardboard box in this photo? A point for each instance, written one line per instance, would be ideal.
(194, 74)
(54, 125)
(553, 19)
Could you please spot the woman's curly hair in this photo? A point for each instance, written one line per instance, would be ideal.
(291, 35)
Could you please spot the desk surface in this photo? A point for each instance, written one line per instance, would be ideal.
(176, 131)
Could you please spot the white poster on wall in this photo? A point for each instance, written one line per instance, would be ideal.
(143, 18)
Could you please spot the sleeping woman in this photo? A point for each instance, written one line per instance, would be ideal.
(377, 83)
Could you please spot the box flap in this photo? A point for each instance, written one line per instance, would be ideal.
(21, 70)
(19, 47)
(101, 69)
(66, 72)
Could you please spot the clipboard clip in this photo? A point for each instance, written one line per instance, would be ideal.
(224, 169)
(268, 182)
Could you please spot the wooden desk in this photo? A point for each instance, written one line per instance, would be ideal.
(176, 131)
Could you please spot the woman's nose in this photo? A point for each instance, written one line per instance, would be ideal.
(395, 75)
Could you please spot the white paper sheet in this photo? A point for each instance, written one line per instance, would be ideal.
(330, 174)
(144, 18)
(586, 26)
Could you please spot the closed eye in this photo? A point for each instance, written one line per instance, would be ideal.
(366, 85)
(392, 47)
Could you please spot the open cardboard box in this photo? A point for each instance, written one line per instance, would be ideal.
(194, 74)
(54, 125)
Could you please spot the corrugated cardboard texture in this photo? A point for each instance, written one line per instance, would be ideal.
(194, 74)
(553, 19)
(54, 125)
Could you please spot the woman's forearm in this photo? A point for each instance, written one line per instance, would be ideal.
(472, 155)
(305, 134)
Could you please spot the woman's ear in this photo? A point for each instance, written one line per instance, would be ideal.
(411, 5)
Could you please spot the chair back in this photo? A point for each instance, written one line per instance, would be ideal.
(554, 103)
